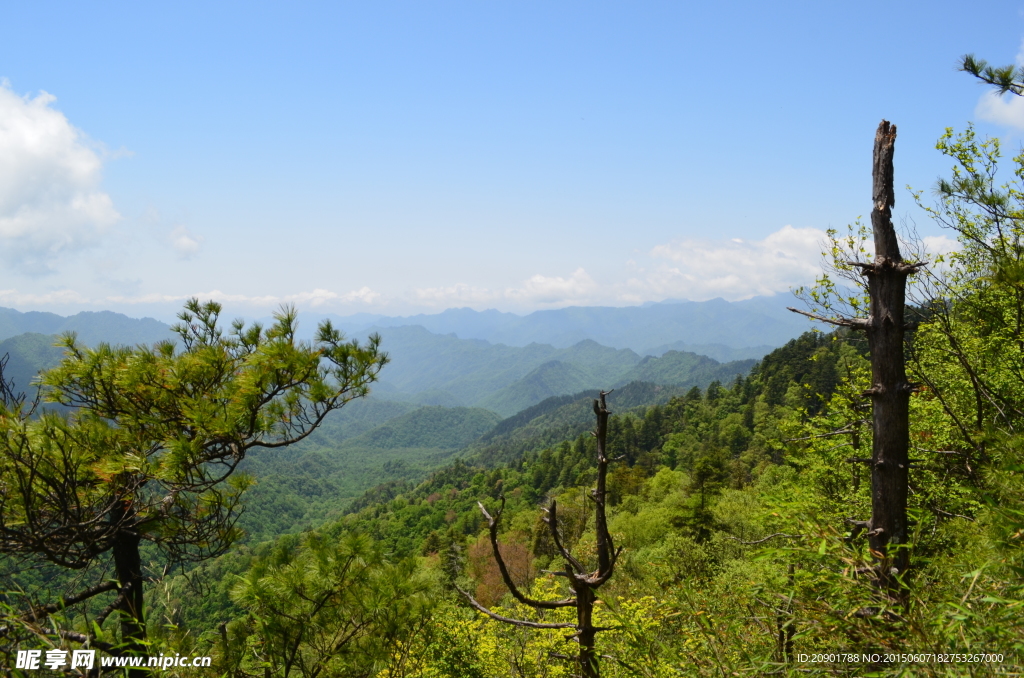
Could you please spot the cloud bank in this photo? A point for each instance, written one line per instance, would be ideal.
(536, 291)
(50, 200)
(315, 298)
(734, 269)
(686, 269)
(694, 269)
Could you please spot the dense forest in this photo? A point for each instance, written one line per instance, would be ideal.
(741, 508)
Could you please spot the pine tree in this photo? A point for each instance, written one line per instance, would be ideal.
(150, 447)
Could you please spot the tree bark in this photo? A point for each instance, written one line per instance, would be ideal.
(585, 595)
(587, 634)
(128, 568)
(890, 391)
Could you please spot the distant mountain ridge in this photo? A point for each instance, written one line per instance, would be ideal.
(92, 327)
(717, 328)
(425, 369)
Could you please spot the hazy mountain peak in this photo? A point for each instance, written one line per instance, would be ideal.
(92, 327)
(757, 324)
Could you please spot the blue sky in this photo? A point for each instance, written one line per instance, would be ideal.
(409, 157)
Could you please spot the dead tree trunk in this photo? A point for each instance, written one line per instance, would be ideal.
(890, 391)
(582, 581)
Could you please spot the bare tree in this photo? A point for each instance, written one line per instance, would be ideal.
(583, 581)
(890, 391)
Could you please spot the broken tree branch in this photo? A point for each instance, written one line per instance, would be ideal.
(509, 620)
(855, 323)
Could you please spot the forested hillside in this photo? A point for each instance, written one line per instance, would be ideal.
(370, 442)
(437, 369)
(300, 487)
(303, 486)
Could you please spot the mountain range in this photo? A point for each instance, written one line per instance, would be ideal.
(498, 361)
(717, 328)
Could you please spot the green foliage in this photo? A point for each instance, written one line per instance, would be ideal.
(718, 495)
(321, 606)
(970, 351)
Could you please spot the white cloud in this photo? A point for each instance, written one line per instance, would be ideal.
(544, 291)
(733, 269)
(933, 249)
(1007, 109)
(538, 290)
(14, 298)
(939, 244)
(49, 178)
(315, 298)
(185, 243)
(459, 294)
(687, 269)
